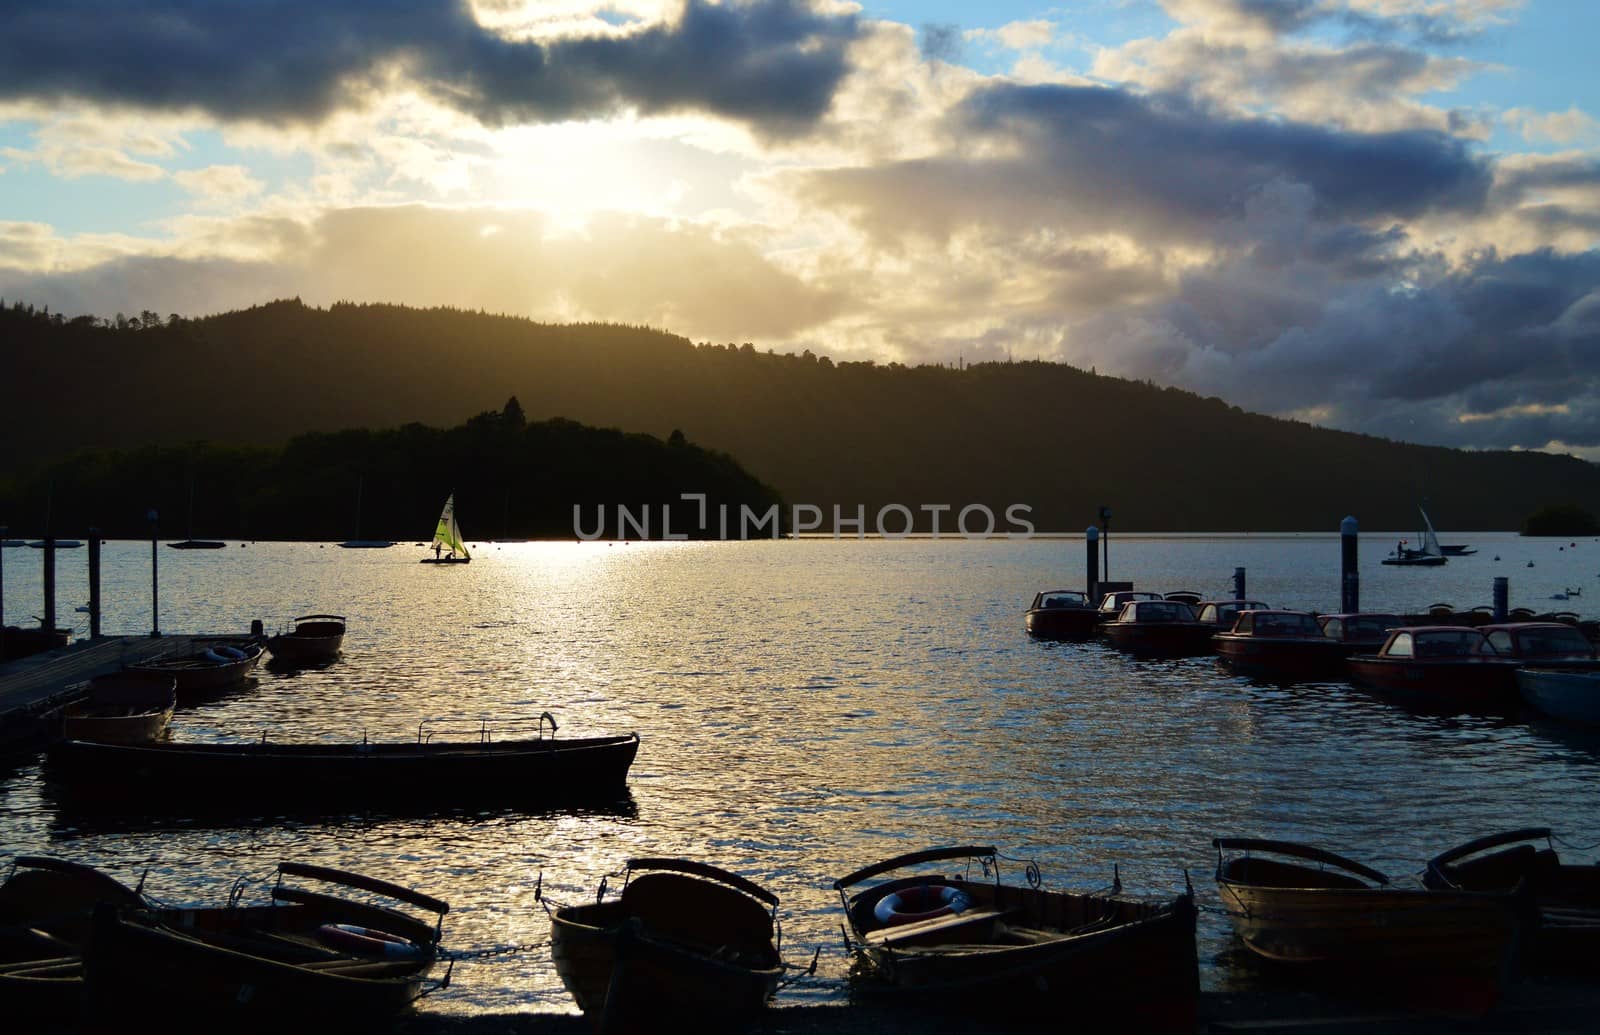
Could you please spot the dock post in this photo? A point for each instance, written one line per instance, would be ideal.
(1105, 541)
(3, 531)
(1091, 580)
(94, 584)
(1238, 583)
(155, 609)
(1502, 597)
(1349, 573)
(49, 620)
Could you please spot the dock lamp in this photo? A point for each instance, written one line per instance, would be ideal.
(155, 610)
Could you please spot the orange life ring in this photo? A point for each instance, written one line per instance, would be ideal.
(920, 902)
(368, 942)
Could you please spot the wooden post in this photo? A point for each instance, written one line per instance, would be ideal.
(1091, 584)
(3, 531)
(155, 609)
(49, 620)
(1105, 541)
(1502, 597)
(94, 584)
(1349, 573)
(1238, 583)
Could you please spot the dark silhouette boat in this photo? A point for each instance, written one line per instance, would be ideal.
(1563, 931)
(1545, 644)
(122, 708)
(1298, 905)
(974, 943)
(312, 640)
(685, 946)
(463, 766)
(219, 665)
(1287, 645)
(1061, 614)
(1571, 695)
(1158, 628)
(1445, 668)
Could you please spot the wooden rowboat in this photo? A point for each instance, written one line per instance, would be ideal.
(319, 954)
(215, 666)
(1564, 930)
(458, 766)
(1324, 911)
(684, 945)
(122, 708)
(314, 639)
(964, 942)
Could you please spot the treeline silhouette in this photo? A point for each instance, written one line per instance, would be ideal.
(1061, 440)
(512, 479)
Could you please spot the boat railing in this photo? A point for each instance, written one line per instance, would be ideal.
(485, 729)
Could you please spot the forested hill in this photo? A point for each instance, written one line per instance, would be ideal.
(1061, 440)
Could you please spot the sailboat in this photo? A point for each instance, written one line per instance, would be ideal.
(1448, 549)
(1429, 556)
(192, 543)
(359, 543)
(447, 536)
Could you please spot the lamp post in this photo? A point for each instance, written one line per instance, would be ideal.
(155, 610)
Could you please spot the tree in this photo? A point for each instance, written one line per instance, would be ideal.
(513, 415)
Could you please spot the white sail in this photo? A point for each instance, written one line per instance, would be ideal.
(1430, 542)
(448, 533)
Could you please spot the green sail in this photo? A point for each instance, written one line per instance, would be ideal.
(448, 534)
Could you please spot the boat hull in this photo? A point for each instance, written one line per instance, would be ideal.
(263, 774)
(616, 970)
(1158, 639)
(1570, 695)
(1131, 960)
(1290, 659)
(314, 639)
(198, 676)
(1466, 933)
(1062, 623)
(1451, 685)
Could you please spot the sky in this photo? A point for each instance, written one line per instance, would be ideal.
(1372, 215)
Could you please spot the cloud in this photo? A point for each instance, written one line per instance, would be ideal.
(770, 64)
(219, 182)
(692, 279)
(1563, 127)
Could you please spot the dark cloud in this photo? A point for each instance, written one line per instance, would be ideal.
(771, 63)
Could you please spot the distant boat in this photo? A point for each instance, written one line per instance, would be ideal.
(447, 536)
(192, 543)
(1449, 549)
(358, 543)
(1431, 553)
(61, 544)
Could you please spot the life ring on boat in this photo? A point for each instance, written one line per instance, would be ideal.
(224, 653)
(368, 942)
(920, 902)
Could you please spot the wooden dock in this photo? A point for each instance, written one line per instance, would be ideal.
(33, 690)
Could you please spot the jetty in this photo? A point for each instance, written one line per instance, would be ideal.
(34, 689)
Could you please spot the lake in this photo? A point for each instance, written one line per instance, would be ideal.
(806, 707)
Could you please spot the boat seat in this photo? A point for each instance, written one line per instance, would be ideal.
(699, 912)
(975, 925)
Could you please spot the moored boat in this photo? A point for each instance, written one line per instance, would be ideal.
(1572, 695)
(1064, 614)
(1544, 643)
(317, 954)
(1297, 904)
(122, 708)
(683, 945)
(215, 666)
(1359, 632)
(1221, 614)
(457, 765)
(1564, 928)
(1447, 668)
(313, 639)
(1287, 645)
(1158, 628)
(979, 944)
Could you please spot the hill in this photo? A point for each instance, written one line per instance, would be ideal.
(512, 480)
(1060, 440)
